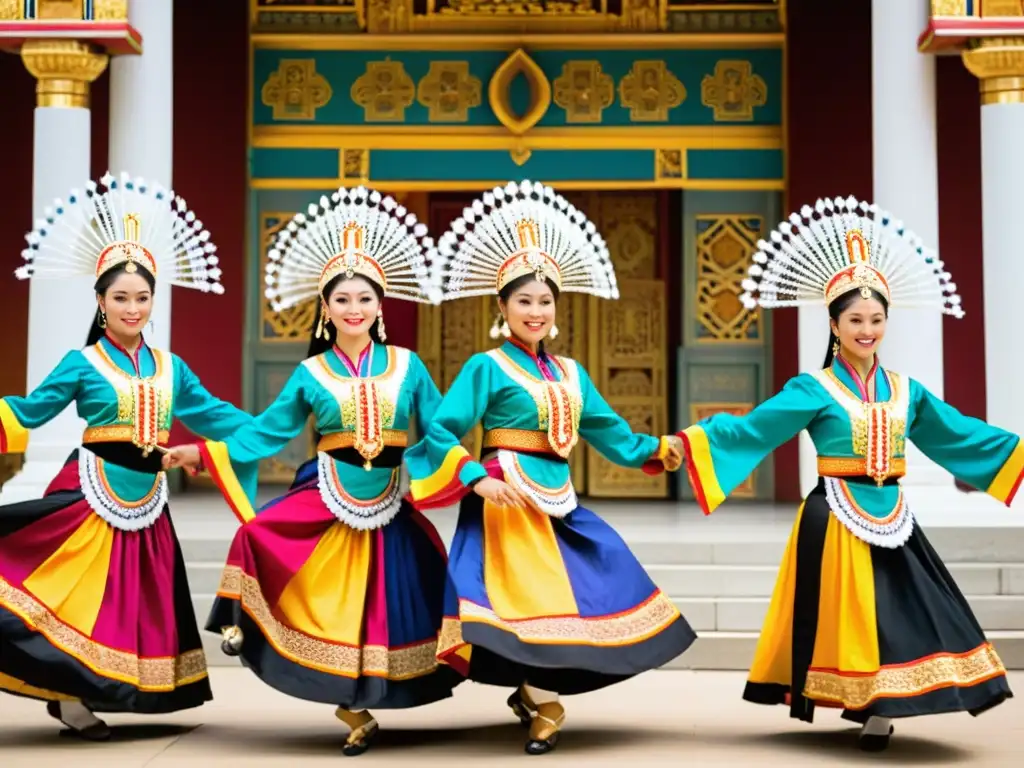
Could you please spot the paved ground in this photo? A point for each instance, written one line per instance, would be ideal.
(662, 718)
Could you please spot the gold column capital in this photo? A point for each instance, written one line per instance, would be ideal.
(63, 70)
(998, 63)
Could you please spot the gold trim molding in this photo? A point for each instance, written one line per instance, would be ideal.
(63, 70)
(998, 63)
(296, 90)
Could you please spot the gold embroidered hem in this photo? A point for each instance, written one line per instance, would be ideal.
(517, 440)
(855, 467)
(118, 433)
(859, 690)
(322, 655)
(156, 675)
(339, 440)
(628, 628)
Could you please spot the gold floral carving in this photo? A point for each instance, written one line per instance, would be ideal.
(724, 246)
(518, 7)
(669, 164)
(449, 91)
(998, 62)
(110, 10)
(387, 16)
(355, 164)
(1003, 8)
(584, 91)
(733, 91)
(60, 9)
(948, 7)
(649, 91)
(12, 10)
(296, 90)
(384, 91)
(63, 70)
(698, 411)
(644, 15)
(518, 63)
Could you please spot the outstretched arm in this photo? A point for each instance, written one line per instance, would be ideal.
(18, 415)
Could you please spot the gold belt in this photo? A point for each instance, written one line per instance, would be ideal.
(517, 440)
(118, 433)
(336, 440)
(850, 467)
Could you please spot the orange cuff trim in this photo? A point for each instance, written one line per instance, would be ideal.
(217, 462)
(13, 436)
(701, 469)
(1009, 477)
(444, 482)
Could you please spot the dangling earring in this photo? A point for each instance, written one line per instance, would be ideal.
(553, 333)
(505, 330)
(835, 348)
(103, 319)
(496, 326)
(321, 326)
(380, 325)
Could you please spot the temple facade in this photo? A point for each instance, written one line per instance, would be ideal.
(686, 131)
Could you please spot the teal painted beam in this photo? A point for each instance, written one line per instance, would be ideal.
(734, 164)
(295, 163)
(496, 165)
(342, 69)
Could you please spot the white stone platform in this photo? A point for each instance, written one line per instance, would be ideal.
(720, 570)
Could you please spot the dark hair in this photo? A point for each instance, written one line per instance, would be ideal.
(839, 305)
(97, 332)
(505, 293)
(330, 334)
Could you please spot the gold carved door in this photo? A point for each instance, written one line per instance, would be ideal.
(622, 343)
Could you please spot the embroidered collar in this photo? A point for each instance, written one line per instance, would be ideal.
(867, 390)
(135, 359)
(546, 365)
(362, 367)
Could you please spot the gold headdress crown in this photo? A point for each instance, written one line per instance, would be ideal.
(841, 245)
(529, 259)
(108, 217)
(352, 260)
(859, 274)
(128, 251)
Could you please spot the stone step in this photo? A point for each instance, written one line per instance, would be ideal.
(728, 580)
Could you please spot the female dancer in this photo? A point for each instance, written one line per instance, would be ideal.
(545, 593)
(333, 592)
(864, 616)
(95, 611)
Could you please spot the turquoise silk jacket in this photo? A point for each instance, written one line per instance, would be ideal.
(363, 422)
(533, 413)
(128, 403)
(859, 433)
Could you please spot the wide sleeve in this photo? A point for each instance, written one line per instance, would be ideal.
(18, 415)
(426, 395)
(233, 462)
(441, 471)
(722, 450)
(987, 457)
(611, 434)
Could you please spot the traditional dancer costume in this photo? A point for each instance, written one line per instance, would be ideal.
(95, 610)
(547, 595)
(864, 615)
(333, 593)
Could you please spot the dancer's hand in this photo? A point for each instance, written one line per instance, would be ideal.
(186, 456)
(676, 453)
(499, 493)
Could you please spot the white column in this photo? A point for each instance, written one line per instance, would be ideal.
(812, 336)
(906, 184)
(60, 311)
(141, 122)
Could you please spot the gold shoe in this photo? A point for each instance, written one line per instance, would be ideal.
(231, 640)
(545, 728)
(522, 706)
(364, 731)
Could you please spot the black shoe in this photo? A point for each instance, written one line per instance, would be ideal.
(97, 732)
(871, 742)
(542, 746)
(519, 708)
(231, 644)
(229, 649)
(356, 748)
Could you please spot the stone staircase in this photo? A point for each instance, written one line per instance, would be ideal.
(720, 571)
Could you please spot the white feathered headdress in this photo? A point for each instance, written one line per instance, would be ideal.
(122, 221)
(523, 229)
(841, 245)
(353, 232)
